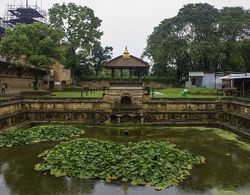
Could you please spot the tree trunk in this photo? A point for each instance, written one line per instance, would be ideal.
(73, 75)
(96, 72)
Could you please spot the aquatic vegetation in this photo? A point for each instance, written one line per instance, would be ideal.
(38, 134)
(227, 135)
(150, 163)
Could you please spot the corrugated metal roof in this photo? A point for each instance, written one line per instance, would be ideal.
(236, 76)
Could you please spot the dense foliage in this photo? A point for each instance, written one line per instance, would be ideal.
(200, 38)
(38, 134)
(37, 45)
(150, 163)
(81, 37)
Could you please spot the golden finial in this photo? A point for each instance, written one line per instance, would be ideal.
(126, 53)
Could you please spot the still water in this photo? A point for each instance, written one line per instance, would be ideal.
(226, 171)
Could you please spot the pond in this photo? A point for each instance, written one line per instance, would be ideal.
(226, 171)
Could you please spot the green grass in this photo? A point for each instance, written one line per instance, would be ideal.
(192, 93)
(167, 93)
(77, 94)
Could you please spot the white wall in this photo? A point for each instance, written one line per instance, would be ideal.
(209, 80)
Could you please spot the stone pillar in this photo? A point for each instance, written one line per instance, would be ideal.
(109, 119)
(119, 119)
(142, 120)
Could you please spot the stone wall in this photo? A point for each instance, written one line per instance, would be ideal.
(105, 84)
(19, 79)
(228, 112)
(16, 111)
(17, 84)
(181, 111)
(237, 112)
(12, 113)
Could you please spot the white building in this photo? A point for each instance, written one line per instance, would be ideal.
(205, 79)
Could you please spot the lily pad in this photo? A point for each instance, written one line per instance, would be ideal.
(149, 163)
(38, 134)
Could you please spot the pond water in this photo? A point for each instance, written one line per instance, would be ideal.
(226, 171)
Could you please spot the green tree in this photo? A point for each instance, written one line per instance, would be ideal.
(81, 32)
(36, 45)
(200, 38)
(234, 28)
(245, 51)
(100, 55)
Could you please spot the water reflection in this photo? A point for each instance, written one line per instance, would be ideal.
(227, 167)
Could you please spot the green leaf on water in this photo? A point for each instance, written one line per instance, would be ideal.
(157, 164)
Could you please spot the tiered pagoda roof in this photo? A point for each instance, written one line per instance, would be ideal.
(25, 14)
(126, 61)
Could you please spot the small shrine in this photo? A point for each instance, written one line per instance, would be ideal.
(126, 92)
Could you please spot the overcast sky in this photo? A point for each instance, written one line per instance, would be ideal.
(130, 22)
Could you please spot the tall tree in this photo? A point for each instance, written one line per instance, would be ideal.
(81, 32)
(245, 50)
(36, 45)
(199, 38)
(234, 26)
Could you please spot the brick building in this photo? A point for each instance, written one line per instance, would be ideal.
(17, 79)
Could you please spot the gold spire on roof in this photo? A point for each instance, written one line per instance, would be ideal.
(126, 53)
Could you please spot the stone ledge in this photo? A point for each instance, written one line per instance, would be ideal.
(247, 117)
(236, 129)
(236, 100)
(67, 111)
(177, 101)
(9, 102)
(12, 114)
(64, 100)
(181, 112)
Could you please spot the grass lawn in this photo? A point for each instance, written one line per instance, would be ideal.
(192, 93)
(77, 94)
(161, 93)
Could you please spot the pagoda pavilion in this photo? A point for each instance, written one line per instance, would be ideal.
(126, 62)
(126, 92)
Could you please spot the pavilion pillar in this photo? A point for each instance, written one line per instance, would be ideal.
(119, 119)
(139, 75)
(243, 92)
(130, 75)
(121, 74)
(113, 74)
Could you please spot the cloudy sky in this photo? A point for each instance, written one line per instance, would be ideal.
(129, 22)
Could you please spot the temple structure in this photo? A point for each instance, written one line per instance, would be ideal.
(126, 92)
(21, 14)
(136, 67)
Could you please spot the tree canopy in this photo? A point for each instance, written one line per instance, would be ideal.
(81, 34)
(34, 44)
(200, 38)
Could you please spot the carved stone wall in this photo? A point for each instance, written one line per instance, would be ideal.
(227, 112)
